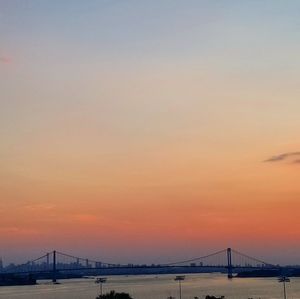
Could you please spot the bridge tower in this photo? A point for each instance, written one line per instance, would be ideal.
(48, 260)
(1, 265)
(54, 267)
(229, 263)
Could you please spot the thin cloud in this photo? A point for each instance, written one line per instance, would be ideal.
(285, 156)
(5, 60)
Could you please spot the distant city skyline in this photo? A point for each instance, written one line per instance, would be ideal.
(145, 131)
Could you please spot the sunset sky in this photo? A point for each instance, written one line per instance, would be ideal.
(149, 131)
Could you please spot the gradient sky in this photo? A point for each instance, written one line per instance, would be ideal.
(147, 131)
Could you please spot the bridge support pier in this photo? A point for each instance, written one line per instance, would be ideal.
(229, 264)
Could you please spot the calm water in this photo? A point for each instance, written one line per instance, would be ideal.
(160, 287)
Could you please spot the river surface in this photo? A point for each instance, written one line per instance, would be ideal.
(158, 287)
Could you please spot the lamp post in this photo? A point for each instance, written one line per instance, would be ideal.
(101, 280)
(284, 279)
(179, 278)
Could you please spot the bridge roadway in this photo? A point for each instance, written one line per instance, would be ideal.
(227, 259)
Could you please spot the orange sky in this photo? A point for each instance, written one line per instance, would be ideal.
(147, 143)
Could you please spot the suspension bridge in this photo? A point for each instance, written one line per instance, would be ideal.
(55, 262)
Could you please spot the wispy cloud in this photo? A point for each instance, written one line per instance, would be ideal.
(40, 207)
(285, 156)
(15, 230)
(5, 59)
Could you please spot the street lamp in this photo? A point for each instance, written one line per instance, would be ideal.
(284, 279)
(179, 278)
(101, 280)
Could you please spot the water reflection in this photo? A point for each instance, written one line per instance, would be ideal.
(160, 287)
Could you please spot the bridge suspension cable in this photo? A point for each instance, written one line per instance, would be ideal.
(252, 258)
(28, 266)
(85, 259)
(196, 259)
(61, 261)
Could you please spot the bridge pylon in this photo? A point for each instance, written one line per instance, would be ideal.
(54, 267)
(229, 263)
